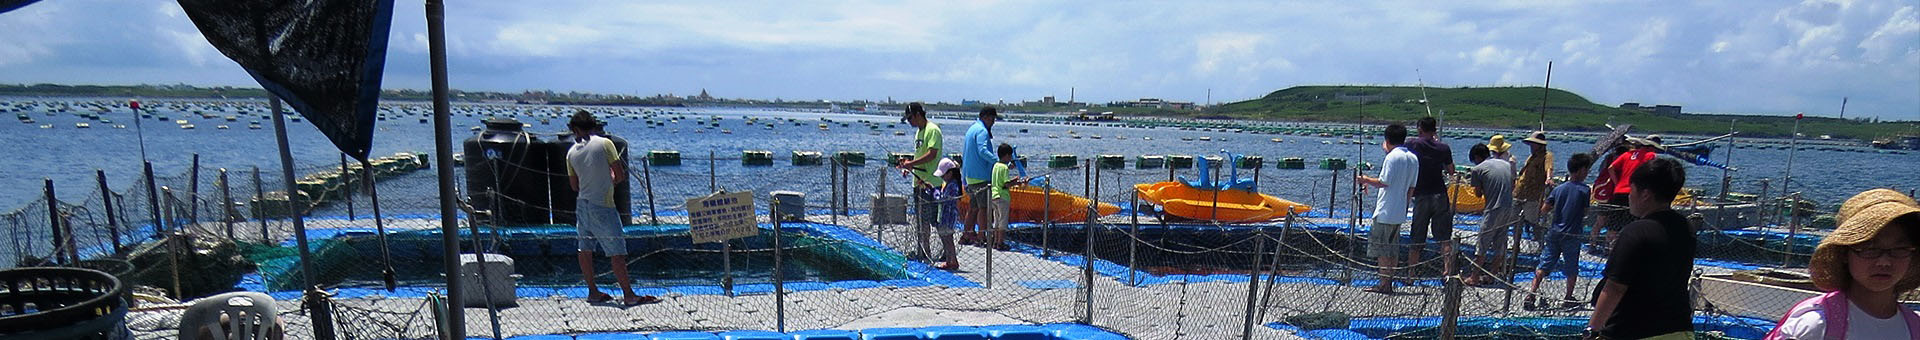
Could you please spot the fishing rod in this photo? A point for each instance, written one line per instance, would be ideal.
(1544, 91)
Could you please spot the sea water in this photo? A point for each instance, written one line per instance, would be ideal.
(69, 155)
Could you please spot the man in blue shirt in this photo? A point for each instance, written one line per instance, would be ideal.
(976, 165)
(1561, 248)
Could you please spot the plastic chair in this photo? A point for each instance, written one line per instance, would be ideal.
(231, 316)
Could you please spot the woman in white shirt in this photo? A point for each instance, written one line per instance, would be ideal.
(1865, 265)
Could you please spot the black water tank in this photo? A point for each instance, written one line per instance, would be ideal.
(563, 194)
(504, 159)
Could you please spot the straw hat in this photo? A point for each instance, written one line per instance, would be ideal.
(1860, 218)
(1537, 137)
(1498, 144)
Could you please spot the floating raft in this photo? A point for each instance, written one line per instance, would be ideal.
(806, 158)
(851, 158)
(1150, 162)
(663, 158)
(756, 158)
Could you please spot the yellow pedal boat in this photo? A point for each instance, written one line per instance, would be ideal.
(1178, 199)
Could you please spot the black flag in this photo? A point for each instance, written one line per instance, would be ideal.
(324, 57)
(8, 5)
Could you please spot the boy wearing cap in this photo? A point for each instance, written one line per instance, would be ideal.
(1644, 291)
(1863, 266)
(593, 167)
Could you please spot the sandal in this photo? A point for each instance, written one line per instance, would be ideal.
(598, 297)
(638, 300)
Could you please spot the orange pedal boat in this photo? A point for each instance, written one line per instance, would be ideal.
(1179, 199)
(1032, 204)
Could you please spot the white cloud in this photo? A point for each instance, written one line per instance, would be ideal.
(1760, 57)
(1212, 50)
(1885, 44)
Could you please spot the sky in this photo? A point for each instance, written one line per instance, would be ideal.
(1751, 57)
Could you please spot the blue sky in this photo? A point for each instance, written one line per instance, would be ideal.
(1765, 57)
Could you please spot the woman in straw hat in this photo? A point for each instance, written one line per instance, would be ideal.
(1864, 266)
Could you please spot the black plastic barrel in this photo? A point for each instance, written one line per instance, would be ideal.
(62, 303)
(504, 159)
(564, 197)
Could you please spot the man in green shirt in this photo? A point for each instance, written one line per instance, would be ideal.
(926, 156)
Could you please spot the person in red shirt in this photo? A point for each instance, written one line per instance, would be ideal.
(1618, 179)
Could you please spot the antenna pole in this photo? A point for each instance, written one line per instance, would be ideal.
(1843, 107)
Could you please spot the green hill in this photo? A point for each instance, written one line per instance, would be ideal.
(1519, 108)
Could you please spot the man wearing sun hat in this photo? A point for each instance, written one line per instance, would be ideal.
(1500, 148)
(1864, 266)
(1535, 180)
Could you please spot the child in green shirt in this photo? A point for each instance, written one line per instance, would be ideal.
(1002, 198)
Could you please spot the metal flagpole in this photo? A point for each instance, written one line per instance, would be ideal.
(138, 130)
(456, 324)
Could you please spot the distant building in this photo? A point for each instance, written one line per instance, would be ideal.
(1662, 109)
(1155, 103)
(1666, 109)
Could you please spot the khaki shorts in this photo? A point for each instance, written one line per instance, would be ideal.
(980, 196)
(1000, 210)
(1383, 240)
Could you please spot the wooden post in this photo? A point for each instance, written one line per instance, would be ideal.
(106, 200)
(646, 172)
(779, 277)
(53, 221)
(226, 203)
(259, 208)
(1253, 286)
(153, 200)
(346, 181)
(193, 192)
(1133, 241)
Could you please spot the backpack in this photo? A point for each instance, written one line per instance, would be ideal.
(1833, 308)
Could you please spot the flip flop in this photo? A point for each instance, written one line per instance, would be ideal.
(638, 300)
(598, 297)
